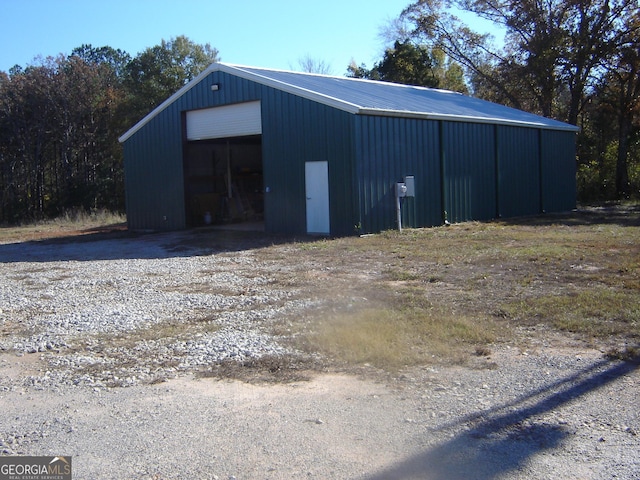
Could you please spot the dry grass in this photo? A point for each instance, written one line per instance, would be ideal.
(448, 293)
(76, 222)
(116, 353)
(594, 312)
(267, 369)
(391, 338)
(442, 294)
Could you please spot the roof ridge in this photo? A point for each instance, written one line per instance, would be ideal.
(343, 77)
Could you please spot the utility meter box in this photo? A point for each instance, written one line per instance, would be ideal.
(401, 190)
(411, 186)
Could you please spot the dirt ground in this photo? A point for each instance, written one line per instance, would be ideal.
(541, 404)
(549, 413)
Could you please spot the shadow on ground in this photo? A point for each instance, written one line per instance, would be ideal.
(504, 438)
(607, 214)
(120, 244)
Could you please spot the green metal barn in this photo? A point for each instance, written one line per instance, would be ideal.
(304, 153)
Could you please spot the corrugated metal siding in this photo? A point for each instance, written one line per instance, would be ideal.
(283, 164)
(154, 155)
(388, 149)
(342, 181)
(231, 90)
(558, 171)
(155, 191)
(518, 171)
(469, 171)
(295, 131)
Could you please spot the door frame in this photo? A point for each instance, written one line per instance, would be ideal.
(316, 180)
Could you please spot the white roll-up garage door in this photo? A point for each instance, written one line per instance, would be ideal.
(229, 121)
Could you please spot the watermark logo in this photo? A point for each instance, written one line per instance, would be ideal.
(35, 468)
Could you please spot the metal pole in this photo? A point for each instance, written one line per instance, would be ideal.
(398, 209)
(229, 195)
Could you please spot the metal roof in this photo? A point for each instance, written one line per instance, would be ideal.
(368, 97)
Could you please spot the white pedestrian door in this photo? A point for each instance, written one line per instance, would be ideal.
(317, 190)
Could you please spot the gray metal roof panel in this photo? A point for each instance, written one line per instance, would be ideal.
(369, 97)
(385, 98)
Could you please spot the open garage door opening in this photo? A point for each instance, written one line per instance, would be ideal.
(223, 168)
(224, 181)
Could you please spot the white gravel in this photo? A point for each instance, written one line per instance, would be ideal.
(66, 310)
(61, 296)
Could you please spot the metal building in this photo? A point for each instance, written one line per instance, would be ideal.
(307, 153)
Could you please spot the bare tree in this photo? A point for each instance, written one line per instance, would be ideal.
(309, 64)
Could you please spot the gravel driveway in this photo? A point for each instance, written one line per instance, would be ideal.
(75, 381)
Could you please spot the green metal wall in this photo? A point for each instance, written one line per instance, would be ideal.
(468, 171)
(518, 166)
(463, 171)
(387, 150)
(153, 177)
(294, 131)
(558, 170)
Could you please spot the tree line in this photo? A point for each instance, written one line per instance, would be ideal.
(60, 120)
(573, 60)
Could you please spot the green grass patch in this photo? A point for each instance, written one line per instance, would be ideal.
(171, 330)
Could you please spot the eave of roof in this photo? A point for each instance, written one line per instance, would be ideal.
(261, 76)
(463, 118)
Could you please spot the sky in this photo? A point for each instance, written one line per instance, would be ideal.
(262, 33)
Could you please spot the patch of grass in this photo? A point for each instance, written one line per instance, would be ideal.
(398, 275)
(593, 312)
(72, 221)
(322, 244)
(84, 219)
(628, 354)
(432, 294)
(390, 338)
(160, 331)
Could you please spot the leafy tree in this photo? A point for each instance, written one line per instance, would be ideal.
(609, 147)
(60, 119)
(413, 64)
(450, 74)
(625, 82)
(409, 64)
(59, 147)
(548, 45)
(158, 72)
(116, 60)
(94, 96)
(27, 115)
(361, 71)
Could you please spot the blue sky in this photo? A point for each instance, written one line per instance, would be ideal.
(275, 34)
